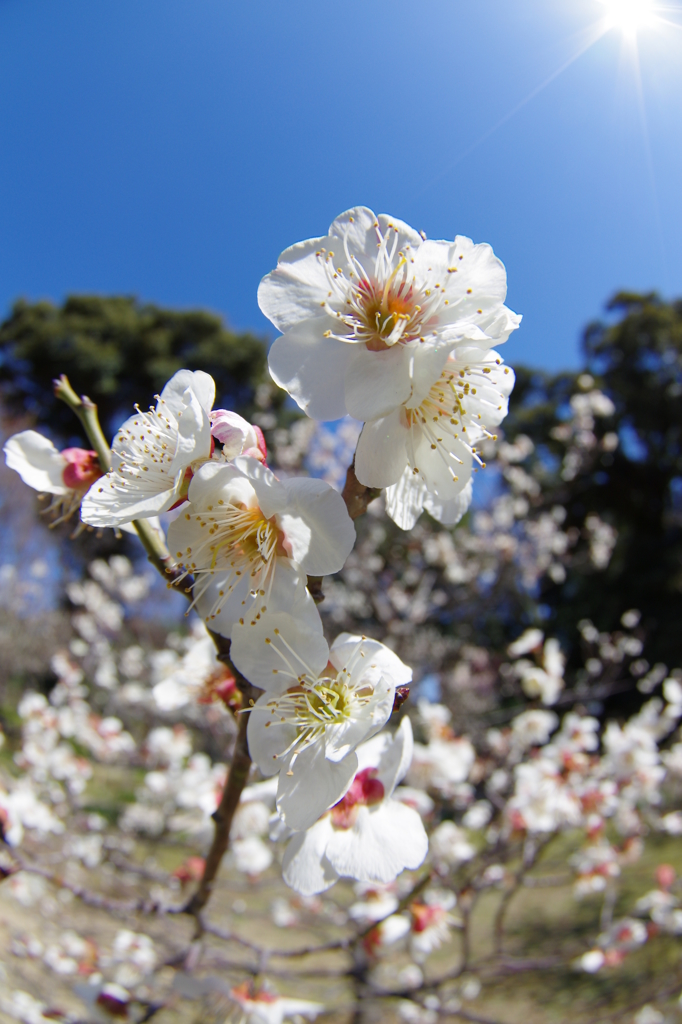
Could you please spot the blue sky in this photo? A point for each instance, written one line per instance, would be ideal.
(172, 148)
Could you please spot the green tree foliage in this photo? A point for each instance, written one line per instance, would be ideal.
(635, 358)
(119, 352)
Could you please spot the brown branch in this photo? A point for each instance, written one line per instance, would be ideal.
(96, 900)
(237, 777)
(527, 865)
(356, 496)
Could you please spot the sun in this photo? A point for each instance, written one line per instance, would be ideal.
(629, 15)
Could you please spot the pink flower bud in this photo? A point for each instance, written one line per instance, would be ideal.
(81, 470)
(237, 435)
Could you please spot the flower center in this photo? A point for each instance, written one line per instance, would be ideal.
(237, 542)
(365, 791)
(381, 308)
(425, 915)
(311, 706)
(451, 415)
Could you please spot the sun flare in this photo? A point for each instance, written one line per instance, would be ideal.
(629, 15)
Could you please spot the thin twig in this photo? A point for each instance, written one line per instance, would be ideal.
(236, 780)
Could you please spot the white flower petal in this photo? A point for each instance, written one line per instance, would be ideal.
(450, 512)
(445, 471)
(312, 367)
(304, 865)
(222, 612)
(376, 383)
(328, 539)
(405, 500)
(267, 737)
(194, 431)
(358, 227)
(364, 653)
(407, 236)
(313, 786)
(384, 840)
(381, 454)
(202, 384)
(270, 493)
(215, 481)
(37, 462)
(291, 292)
(396, 757)
(264, 663)
(106, 504)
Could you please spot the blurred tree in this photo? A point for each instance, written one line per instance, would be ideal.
(119, 352)
(626, 469)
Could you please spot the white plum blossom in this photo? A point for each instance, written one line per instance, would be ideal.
(67, 475)
(530, 640)
(250, 539)
(370, 311)
(442, 764)
(265, 1007)
(545, 681)
(424, 451)
(319, 704)
(155, 454)
(450, 846)
(368, 835)
(431, 923)
(533, 728)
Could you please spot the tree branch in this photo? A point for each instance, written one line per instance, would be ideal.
(356, 496)
(237, 777)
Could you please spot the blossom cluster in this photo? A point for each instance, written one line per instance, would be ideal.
(592, 791)
(399, 334)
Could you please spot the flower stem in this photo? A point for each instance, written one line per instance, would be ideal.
(86, 411)
(237, 777)
(356, 496)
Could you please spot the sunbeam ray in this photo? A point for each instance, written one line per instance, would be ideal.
(641, 106)
(594, 33)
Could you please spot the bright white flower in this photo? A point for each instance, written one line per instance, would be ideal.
(369, 313)
(533, 728)
(541, 801)
(250, 855)
(250, 539)
(527, 642)
(478, 815)
(450, 846)
(266, 1007)
(431, 923)
(378, 904)
(155, 453)
(21, 809)
(442, 764)
(590, 962)
(67, 475)
(367, 835)
(544, 681)
(424, 451)
(319, 704)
